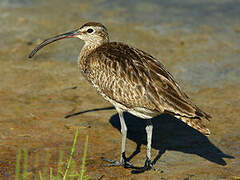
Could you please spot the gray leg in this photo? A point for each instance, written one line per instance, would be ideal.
(149, 129)
(124, 134)
(123, 160)
(148, 163)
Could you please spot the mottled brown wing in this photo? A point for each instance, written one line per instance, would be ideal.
(117, 79)
(134, 78)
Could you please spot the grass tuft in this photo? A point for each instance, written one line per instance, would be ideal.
(17, 170)
(25, 164)
(84, 161)
(71, 155)
(70, 172)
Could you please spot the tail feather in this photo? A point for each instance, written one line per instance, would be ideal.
(200, 113)
(196, 123)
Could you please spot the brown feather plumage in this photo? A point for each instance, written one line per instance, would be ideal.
(139, 83)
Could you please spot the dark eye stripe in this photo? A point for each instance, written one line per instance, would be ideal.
(90, 30)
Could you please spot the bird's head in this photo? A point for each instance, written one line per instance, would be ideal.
(92, 33)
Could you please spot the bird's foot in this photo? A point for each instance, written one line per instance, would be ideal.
(111, 163)
(126, 164)
(147, 166)
(123, 162)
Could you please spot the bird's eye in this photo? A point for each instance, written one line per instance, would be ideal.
(90, 30)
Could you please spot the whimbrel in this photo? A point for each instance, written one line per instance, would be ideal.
(133, 81)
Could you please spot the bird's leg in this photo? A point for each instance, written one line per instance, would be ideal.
(148, 163)
(123, 160)
(149, 129)
(124, 136)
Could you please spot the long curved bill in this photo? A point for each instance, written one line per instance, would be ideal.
(53, 39)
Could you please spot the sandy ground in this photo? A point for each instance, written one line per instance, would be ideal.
(36, 95)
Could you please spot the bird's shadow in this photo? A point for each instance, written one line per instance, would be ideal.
(169, 133)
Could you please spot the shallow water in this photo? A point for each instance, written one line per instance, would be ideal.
(198, 42)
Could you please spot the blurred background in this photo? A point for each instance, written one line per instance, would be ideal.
(197, 41)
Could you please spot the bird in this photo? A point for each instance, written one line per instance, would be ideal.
(132, 81)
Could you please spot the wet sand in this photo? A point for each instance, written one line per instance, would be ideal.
(36, 95)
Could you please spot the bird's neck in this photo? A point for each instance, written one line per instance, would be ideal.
(87, 49)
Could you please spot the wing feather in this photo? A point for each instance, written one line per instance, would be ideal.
(134, 78)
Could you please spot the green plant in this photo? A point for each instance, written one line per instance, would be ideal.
(70, 171)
